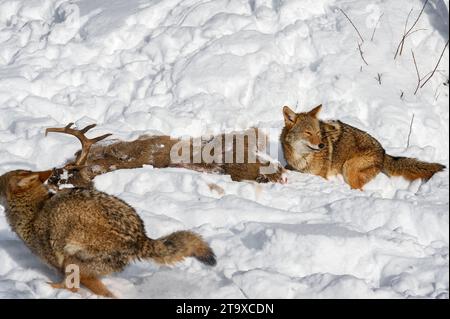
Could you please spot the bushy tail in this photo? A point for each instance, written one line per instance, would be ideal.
(410, 168)
(176, 246)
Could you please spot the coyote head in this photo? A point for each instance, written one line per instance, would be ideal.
(303, 130)
(15, 183)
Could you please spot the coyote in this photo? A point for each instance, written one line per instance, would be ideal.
(97, 232)
(330, 148)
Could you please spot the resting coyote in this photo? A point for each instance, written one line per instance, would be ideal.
(330, 148)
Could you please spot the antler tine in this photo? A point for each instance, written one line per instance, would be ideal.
(59, 129)
(87, 128)
(86, 143)
(101, 138)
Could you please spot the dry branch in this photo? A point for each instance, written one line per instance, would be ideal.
(420, 80)
(410, 130)
(417, 72)
(362, 53)
(354, 26)
(400, 45)
(437, 64)
(376, 26)
(378, 78)
(409, 32)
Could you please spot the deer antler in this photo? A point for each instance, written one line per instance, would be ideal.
(86, 143)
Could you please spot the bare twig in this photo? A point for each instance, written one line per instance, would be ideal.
(437, 96)
(400, 45)
(360, 36)
(410, 130)
(437, 64)
(376, 26)
(362, 53)
(409, 32)
(426, 75)
(404, 33)
(436, 93)
(378, 78)
(407, 20)
(418, 17)
(417, 72)
(417, 30)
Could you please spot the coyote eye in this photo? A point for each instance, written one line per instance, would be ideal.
(308, 134)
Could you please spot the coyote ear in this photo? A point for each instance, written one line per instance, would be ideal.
(43, 176)
(315, 111)
(24, 181)
(289, 116)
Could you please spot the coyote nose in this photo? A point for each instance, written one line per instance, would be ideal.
(321, 145)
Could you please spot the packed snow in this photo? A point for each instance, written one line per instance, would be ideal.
(195, 67)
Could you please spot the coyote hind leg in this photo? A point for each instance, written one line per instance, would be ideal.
(90, 282)
(96, 286)
(358, 171)
(87, 275)
(62, 285)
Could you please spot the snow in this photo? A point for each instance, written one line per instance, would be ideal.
(195, 67)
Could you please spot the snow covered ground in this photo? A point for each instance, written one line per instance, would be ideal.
(192, 67)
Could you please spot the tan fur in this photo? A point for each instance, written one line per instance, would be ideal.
(96, 231)
(410, 168)
(214, 187)
(94, 284)
(345, 150)
(155, 151)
